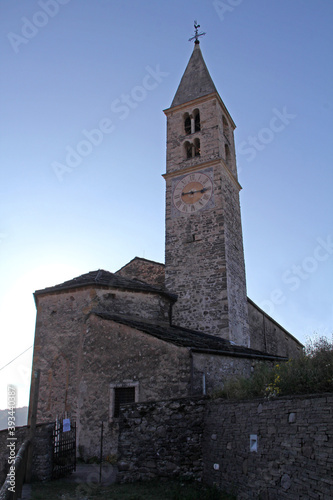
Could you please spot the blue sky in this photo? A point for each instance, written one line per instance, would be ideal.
(71, 67)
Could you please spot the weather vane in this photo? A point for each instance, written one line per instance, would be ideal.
(196, 33)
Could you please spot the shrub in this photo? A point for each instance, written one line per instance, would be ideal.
(312, 372)
(243, 388)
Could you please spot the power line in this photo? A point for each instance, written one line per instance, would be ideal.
(15, 358)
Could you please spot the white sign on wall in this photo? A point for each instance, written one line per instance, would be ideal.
(66, 425)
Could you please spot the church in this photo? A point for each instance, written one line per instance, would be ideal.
(154, 331)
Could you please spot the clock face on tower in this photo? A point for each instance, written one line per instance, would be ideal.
(192, 192)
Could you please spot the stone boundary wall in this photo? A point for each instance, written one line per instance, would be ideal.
(12, 487)
(42, 451)
(21, 433)
(210, 440)
(294, 457)
(161, 439)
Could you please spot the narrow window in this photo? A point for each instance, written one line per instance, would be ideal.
(187, 124)
(227, 154)
(122, 395)
(225, 127)
(197, 127)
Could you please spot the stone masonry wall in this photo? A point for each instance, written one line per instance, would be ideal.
(235, 264)
(42, 451)
(268, 336)
(204, 250)
(144, 270)
(196, 269)
(60, 336)
(195, 248)
(209, 135)
(42, 460)
(294, 457)
(210, 441)
(116, 352)
(161, 439)
(72, 345)
(20, 433)
(217, 370)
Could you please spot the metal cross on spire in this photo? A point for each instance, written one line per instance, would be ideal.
(196, 33)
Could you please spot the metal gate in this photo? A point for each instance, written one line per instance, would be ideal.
(64, 449)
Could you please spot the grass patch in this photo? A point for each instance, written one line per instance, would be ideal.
(149, 490)
(311, 373)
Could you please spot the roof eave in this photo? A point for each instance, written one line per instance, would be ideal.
(49, 291)
(250, 355)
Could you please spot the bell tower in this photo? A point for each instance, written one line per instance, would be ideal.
(204, 258)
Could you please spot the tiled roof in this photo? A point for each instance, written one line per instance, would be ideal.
(183, 337)
(105, 279)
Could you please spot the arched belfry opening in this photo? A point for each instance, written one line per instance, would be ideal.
(197, 125)
(196, 147)
(188, 149)
(187, 124)
(192, 122)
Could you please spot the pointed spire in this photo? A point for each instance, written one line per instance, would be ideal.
(196, 80)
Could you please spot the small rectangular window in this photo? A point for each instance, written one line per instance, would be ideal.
(122, 395)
